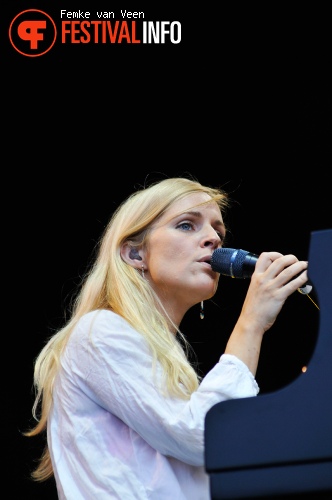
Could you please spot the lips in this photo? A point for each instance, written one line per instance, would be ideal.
(206, 259)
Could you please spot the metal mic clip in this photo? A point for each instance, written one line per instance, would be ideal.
(305, 289)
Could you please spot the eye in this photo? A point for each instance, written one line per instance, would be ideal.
(185, 226)
(221, 236)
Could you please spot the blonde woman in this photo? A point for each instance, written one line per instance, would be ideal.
(120, 401)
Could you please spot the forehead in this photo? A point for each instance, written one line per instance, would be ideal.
(201, 202)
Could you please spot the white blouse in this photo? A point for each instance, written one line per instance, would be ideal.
(112, 435)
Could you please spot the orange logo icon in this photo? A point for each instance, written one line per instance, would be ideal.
(32, 33)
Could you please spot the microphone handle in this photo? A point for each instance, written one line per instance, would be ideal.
(238, 263)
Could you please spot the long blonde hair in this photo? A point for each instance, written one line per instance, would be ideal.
(111, 284)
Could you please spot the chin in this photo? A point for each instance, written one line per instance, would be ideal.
(209, 293)
(210, 296)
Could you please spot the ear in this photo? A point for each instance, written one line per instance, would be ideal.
(131, 255)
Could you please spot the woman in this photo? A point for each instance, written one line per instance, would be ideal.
(121, 403)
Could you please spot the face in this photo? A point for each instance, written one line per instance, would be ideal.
(179, 251)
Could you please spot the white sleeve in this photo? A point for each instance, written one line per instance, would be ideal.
(112, 363)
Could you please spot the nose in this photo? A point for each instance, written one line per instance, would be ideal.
(211, 238)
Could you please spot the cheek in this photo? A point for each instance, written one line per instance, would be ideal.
(161, 248)
(166, 254)
(163, 262)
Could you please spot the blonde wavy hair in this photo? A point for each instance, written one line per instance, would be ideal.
(111, 284)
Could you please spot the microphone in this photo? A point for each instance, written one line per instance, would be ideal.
(238, 263)
(233, 262)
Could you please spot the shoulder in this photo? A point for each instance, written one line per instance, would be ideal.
(102, 318)
(104, 328)
(103, 340)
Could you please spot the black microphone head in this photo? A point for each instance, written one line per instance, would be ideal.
(233, 262)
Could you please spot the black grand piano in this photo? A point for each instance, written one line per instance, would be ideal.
(280, 444)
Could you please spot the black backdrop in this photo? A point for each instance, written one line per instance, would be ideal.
(242, 102)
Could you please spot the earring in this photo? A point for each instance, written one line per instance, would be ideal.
(201, 314)
(143, 275)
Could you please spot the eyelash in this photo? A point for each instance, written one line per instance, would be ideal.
(187, 223)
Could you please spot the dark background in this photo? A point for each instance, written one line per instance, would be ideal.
(243, 102)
